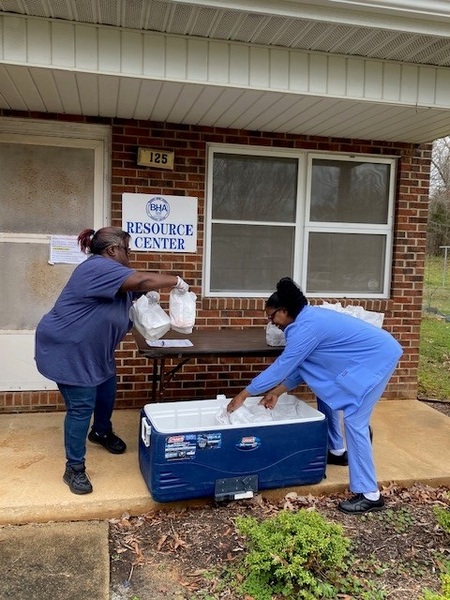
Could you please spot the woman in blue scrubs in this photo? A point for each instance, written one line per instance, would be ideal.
(346, 362)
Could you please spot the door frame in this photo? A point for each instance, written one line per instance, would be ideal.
(18, 368)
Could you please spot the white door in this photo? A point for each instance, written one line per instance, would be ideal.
(53, 182)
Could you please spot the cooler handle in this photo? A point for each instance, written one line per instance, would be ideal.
(146, 430)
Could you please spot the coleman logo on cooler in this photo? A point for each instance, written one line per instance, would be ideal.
(249, 442)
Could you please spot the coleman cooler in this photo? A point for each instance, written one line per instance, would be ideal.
(185, 452)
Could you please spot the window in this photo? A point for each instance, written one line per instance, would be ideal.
(324, 220)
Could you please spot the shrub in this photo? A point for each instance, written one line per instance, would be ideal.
(296, 554)
(443, 517)
(445, 592)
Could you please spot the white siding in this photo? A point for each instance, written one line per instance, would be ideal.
(72, 68)
(97, 50)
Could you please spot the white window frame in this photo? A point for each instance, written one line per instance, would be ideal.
(303, 226)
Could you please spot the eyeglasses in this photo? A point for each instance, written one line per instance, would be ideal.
(127, 250)
(271, 316)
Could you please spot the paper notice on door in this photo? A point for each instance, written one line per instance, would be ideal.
(65, 249)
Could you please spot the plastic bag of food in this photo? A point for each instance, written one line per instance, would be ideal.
(148, 317)
(375, 318)
(274, 335)
(182, 310)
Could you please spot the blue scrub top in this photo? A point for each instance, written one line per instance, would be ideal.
(340, 357)
(76, 340)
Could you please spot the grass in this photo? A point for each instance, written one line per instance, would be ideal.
(434, 371)
(437, 285)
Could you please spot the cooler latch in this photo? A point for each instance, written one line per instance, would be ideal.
(236, 488)
(146, 430)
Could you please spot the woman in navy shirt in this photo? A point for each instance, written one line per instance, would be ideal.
(76, 341)
(346, 362)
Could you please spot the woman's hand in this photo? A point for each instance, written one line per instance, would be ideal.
(181, 285)
(237, 401)
(269, 400)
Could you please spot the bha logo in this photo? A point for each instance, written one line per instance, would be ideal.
(157, 208)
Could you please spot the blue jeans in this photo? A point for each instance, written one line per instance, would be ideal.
(81, 404)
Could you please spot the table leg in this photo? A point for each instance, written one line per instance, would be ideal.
(161, 377)
(155, 380)
(161, 380)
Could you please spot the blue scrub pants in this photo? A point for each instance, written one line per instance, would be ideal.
(81, 404)
(360, 455)
(335, 437)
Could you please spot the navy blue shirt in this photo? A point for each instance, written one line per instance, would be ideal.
(76, 340)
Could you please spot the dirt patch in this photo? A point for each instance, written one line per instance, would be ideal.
(442, 406)
(180, 554)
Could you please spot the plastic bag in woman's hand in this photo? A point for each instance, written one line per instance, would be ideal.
(182, 310)
(149, 318)
(250, 414)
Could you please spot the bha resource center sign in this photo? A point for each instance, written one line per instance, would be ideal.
(160, 223)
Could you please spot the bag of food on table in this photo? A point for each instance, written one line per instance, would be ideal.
(375, 318)
(182, 310)
(149, 318)
(274, 335)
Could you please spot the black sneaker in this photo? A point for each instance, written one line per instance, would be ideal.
(359, 505)
(340, 460)
(77, 480)
(109, 440)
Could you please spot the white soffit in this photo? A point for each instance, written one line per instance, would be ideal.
(255, 65)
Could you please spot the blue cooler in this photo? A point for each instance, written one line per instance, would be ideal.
(184, 451)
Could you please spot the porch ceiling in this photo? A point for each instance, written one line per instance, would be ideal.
(361, 29)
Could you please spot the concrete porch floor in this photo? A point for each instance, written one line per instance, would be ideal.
(411, 443)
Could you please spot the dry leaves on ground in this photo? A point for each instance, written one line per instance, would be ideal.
(179, 554)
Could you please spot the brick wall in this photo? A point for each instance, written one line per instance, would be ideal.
(208, 377)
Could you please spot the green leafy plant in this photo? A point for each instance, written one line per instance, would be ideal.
(399, 520)
(444, 594)
(442, 517)
(297, 555)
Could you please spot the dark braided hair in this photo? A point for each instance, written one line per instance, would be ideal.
(96, 242)
(288, 296)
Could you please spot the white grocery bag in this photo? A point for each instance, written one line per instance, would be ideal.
(148, 317)
(375, 318)
(274, 335)
(182, 310)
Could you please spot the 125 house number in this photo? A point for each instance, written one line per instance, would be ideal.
(155, 158)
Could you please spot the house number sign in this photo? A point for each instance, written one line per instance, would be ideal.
(161, 159)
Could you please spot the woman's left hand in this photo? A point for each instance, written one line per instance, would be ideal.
(269, 400)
